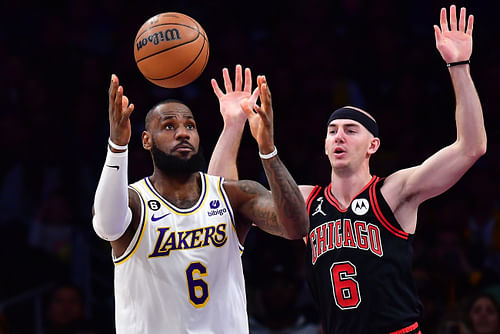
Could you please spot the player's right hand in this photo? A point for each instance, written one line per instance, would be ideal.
(119, 113)
(454, 43)
(260, 118)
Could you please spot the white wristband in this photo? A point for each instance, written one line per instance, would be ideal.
(269, 155)
(116, 146)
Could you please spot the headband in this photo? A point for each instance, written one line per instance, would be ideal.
(355, 115)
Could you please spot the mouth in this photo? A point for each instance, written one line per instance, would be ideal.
(183, 148)
(339, 152)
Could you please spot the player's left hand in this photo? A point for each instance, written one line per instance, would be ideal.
(261, 121)
(454, 43)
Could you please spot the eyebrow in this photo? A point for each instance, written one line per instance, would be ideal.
(350, 125)
(167, 117)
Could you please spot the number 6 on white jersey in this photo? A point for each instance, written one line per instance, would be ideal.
(197, 287)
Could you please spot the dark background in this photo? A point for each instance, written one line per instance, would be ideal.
(56, 60)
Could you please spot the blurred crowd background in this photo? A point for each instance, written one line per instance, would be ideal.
(56, 61)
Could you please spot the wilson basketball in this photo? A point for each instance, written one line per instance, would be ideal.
(171, 49)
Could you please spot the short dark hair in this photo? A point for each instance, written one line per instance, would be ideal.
(149, 115)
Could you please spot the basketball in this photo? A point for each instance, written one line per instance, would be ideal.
(171, 50)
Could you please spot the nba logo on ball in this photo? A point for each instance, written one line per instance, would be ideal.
(171, 50)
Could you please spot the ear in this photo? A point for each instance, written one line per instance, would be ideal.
(147, 142)
(326, 151)
(374, 145)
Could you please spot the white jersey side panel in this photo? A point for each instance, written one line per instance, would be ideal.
(182, 272)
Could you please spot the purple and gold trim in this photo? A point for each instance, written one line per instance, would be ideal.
(141, 229)
(173, 208)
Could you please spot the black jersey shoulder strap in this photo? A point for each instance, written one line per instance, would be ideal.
(314, 193)
(383, 212)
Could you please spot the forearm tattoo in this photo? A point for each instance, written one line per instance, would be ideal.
(262, 207)
(282, 211)
(285, 191)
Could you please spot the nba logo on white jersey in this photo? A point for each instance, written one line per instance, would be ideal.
(360, 206)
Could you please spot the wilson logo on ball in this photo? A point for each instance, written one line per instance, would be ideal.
(171, 50)
(157, 37)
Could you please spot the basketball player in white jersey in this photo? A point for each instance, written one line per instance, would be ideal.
(177, 235)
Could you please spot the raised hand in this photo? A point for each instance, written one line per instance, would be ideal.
(119, 113)
(261, 121)
(454, 43)
(230, 102)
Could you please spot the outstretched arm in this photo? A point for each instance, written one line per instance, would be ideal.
(223, 160)
(114, 208)
(282, 211)
(406, 189)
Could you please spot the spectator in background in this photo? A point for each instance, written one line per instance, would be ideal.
(52, 229)
(483, 314)
(66, 312)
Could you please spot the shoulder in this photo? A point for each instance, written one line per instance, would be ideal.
(211, 177)
(138, 183)
(306, 191)
(135, 193)
(134, 198)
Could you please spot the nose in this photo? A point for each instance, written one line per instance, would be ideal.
(182, 133)
(339, 136)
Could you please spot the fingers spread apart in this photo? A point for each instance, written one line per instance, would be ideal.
(456, 25)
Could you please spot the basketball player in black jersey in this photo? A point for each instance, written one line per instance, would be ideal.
(359, 245)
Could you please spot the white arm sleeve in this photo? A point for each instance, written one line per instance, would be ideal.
(112, 214)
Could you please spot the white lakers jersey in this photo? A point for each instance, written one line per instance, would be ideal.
(182, 272)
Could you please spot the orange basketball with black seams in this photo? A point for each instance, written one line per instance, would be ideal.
(171, 50)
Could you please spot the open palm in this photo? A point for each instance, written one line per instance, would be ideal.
(230, 102)
(454, 43)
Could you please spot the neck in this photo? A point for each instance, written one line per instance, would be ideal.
(183, 190)
(347, 184)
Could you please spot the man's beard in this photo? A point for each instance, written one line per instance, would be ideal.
(172, 165)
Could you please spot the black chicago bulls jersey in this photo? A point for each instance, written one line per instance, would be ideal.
(359, 264)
